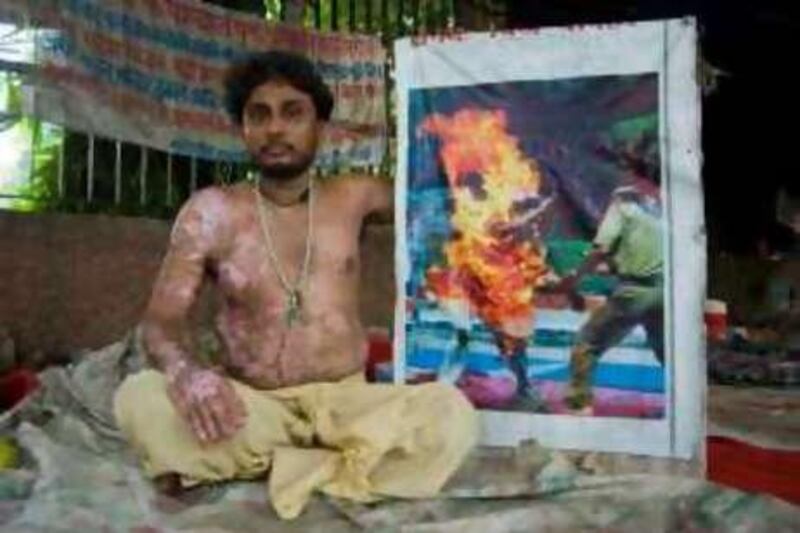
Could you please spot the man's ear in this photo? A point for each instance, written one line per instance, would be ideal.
(241, 128)
(323, 132)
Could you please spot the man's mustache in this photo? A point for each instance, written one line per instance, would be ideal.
(276, 146)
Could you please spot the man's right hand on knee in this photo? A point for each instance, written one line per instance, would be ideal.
(206, 401)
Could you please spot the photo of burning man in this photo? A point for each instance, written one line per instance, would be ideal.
(535, 245)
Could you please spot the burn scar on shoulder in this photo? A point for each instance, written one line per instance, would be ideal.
(200, 220)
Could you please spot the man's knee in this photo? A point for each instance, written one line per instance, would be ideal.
(141, 396)
(454, 415)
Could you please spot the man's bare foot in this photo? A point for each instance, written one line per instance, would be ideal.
(170, 485)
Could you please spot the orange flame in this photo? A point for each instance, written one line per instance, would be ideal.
(487, 172)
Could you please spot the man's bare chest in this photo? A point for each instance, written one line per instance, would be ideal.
(261, 269)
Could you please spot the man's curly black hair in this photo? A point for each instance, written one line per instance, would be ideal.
(259, 68)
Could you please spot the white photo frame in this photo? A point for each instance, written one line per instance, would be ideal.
(666, 50)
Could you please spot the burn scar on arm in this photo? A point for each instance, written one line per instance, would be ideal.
(194, 242)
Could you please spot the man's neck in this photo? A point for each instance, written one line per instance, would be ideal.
(284, 193)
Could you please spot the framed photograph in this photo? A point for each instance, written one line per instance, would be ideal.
(550, 246)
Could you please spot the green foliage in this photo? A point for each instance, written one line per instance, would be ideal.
(41, 141)
(390, 18)
(42, 188)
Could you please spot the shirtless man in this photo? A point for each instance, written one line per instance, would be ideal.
(259, 250)
(283, 255)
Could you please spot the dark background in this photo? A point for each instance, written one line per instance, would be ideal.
(749, 139)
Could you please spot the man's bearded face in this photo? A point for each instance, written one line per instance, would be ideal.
(281, 130)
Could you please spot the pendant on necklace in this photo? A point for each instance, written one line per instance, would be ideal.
(293, 307)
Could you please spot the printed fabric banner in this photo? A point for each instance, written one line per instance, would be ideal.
(150, 72)
(551, 259)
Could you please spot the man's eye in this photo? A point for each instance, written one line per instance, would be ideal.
(294, 112)
(256, 114)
